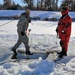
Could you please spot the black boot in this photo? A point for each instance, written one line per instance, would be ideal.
(28, 51)
(61, 56)
(59, 53)
(64, 53)
(14, 56)
(14, 50)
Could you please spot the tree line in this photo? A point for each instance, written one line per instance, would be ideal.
(49, 5)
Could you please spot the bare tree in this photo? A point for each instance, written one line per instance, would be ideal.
(56, 4)
(37, 4)
(7, 4)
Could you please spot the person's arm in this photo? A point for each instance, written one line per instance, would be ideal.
(67, 28)
(29, 19)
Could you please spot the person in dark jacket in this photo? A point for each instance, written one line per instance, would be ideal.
(22, 27)
(64, 30)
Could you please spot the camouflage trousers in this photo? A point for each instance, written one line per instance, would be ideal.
(22, 39)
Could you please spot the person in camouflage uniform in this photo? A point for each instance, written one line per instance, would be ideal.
(22, 27)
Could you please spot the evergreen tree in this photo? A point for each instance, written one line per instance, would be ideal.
(69, 3)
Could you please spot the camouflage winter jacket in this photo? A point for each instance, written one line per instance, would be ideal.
(23, 22)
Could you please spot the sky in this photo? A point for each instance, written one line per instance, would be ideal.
(21, 2)
(16, 1)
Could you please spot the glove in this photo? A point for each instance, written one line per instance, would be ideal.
(29, 20)
(63, 31)
(29, 30)
(57, 30)
(22, 33)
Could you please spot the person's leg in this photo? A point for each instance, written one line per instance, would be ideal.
(61, 44)
(25, 40)
(28, 50)
(64, 46)
(16, 46)
(63, 53)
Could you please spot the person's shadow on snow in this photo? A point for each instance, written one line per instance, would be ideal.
(65, 60)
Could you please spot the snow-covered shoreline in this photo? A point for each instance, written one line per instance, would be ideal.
(42, 15)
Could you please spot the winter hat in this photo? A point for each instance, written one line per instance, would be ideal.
(28, 11)
(64, 10)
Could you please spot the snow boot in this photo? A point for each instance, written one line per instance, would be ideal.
(28, 51)
(14, 50)
(14, 56)
(64, 53)
(59, 53)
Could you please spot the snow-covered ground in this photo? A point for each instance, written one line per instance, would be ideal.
(42, 37)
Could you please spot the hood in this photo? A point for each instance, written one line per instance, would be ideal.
(64, 10)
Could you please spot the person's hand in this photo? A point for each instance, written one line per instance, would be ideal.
(56, 30)
(22, 33)
(29, 20)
